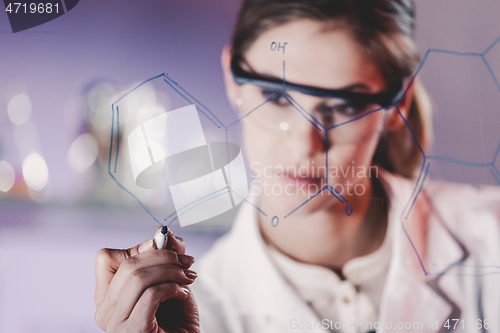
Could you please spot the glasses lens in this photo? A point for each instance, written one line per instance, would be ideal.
(346, 122)
(351, 123)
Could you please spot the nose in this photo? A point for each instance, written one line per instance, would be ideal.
(306, 139)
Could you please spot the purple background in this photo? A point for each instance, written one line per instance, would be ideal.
(47, 252)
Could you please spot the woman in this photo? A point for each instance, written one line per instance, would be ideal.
(325, 266)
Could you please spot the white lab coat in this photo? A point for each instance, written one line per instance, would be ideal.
(455, 228)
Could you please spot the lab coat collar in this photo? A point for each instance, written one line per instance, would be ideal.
(409, 295)
(415, 288)
(270, 295)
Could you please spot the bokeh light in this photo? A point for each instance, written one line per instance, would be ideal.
(35, 172)
(19, 109)
(284, 126)
(83, 152)
(7, 176)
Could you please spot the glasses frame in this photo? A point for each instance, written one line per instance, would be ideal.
(384, 99)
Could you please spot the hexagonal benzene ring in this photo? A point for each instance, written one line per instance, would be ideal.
(492, 165)
(168, 149)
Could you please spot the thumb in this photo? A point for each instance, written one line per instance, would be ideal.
(107, 263)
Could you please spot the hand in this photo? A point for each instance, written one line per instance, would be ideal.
(144, 289)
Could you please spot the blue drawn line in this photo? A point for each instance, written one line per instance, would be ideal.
(117, 134)
(190, 101)
(491, 73)
(496, 154)
(275, 95)
(172, 214)
(455, 161)
(334, 194)
(228, 166)
(133, 196)
(438, 157)
(416, 185)
(293, 211)
(304, 110)
(298, 110)
(248, 202)
(467, 265)
(155, 77)
(419, 190)
(420, 181)
(425, 59)
(338, 193)
(362, 116)
(208, 199)
(419, 68)
(109, 166)
(491, 46)
(497, 179)
(465, 54)
(411, 131)
(194, 99)
(326, 158)
(496, 170)
(413, 246)
(461, 274)
(169, 223)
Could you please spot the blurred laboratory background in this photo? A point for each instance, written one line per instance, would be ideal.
(58, 206)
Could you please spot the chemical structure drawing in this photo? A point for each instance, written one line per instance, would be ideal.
(185, 149)
(427, 160)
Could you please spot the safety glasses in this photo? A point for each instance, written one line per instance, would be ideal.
(343, 116)
(384, 99)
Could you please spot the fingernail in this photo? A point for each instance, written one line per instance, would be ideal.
(185, 259)
(185, 290)
(190, 274)
(146, 246)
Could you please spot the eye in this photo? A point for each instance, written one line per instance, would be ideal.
(279, 101)
(350, 109)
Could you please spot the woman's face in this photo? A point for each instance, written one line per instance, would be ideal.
(286, 151)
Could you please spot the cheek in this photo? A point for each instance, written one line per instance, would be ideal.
(260, 147)
(359, 153)
(351, 162)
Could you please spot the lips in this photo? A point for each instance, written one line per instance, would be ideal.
(304, 179)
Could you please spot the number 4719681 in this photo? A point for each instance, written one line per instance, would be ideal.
(24, 8)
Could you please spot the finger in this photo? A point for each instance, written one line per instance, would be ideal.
(147, 259)
(141, 261)
(107, 263)
(141, 280)
(131, 289)
(150, 300)
(171, 241)
(176, 243)
(109, 260)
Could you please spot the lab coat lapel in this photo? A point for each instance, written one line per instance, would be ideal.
(414, 290)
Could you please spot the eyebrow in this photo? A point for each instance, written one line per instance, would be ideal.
(355, 87)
